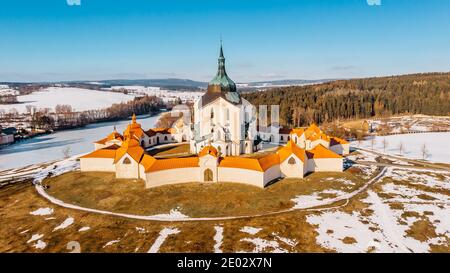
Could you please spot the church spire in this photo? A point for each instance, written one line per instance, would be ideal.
(221, 71)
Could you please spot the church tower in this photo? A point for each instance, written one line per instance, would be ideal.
(221, 117)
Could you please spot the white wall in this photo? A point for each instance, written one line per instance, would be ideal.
(127, 170)
(325, 165)
(250, 177)
(173, 176)
(97, 165)
(341, 149)
(288, 170)
(272, 173)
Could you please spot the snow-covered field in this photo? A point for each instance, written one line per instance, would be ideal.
(414, 123)
(382, 228)
(165, 95)
(436, 145)
(79, 99)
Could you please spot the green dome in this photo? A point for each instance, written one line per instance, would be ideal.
(221, 86)
(221, 79)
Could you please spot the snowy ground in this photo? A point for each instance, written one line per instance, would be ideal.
(421, 123)
(165, 95)
(436, 144)
(382, 228)
(79, 99)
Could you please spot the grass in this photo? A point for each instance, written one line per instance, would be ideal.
(103, 191)
(170, 151)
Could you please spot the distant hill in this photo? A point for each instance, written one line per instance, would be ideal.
(171, 83)
(359, 98)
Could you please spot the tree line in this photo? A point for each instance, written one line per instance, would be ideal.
(427, 94)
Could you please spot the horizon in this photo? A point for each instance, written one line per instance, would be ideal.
(309, 40)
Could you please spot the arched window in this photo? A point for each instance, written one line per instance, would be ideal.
(212, 130)
(126, 161)
(289, 138)
(142, 143)
(165, 138)
(281, 138)
(292, 161)
(212, 113)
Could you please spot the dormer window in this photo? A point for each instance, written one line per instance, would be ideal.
(126, 161)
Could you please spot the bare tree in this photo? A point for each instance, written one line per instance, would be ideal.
(372, 142)
(401, 148)
(66, 152)
(385, 144)
(424, 151)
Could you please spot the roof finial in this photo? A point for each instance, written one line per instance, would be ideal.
(134, 118)
(221, 48)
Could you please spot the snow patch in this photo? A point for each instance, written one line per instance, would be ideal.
(42, 211)
(218, 238)
(35, 237)
(66, 223)
(163, 234)
(250, 230)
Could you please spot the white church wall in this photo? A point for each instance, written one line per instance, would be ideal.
(328, 165)
(292, 170)
(271, 174)
(97, 165)
(245, 176)
(341, 149)
(172, 176)
(127, 170)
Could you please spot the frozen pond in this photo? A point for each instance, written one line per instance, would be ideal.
(437, 145)
(50, 147)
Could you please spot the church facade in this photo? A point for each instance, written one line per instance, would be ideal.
(223, 143)
(223, 119)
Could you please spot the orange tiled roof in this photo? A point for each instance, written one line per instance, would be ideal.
(269, 161)
(163, 131)
(131, 147)
(173, 163)
(321, 152)
(298, 131)
(208, 150)
(336, 140)
(291, 148)
(114, 135)
(101, 153)
(241, 162)
(147, 161)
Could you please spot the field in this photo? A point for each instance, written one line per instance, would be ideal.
(102, 191)
(372, 207)
(79, 99)
(412, 146)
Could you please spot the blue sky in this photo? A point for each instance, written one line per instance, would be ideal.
(44, 40)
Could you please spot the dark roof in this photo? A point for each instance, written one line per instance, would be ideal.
(221, 86)
(9, 131)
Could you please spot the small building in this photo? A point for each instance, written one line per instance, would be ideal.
(7, 135)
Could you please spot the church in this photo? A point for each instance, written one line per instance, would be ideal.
(223, 143)
(223, 119)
